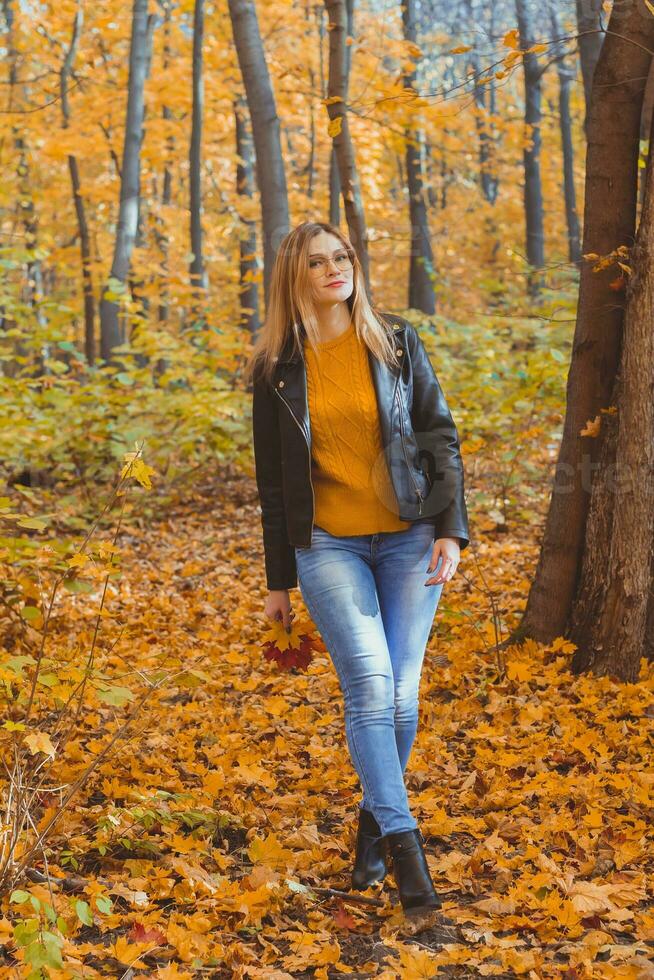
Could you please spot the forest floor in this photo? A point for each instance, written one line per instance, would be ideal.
(214, 828)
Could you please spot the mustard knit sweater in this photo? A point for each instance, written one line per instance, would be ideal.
(352, 486)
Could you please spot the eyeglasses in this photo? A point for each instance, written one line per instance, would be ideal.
(342, 261)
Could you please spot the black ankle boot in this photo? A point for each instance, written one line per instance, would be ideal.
(370, 858)
(411, 872)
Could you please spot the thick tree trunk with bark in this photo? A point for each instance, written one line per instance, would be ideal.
(80, 209)
(646, 124)
(533, 192)
(248, 291)
(421, 262)
(591, 36)
(609, 222)
(128, 215)
(566, 75)
(339, 128)
(271, 178)
(648, 645)
(610, 617)
(197, 270)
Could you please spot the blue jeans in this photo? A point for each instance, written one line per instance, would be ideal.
(366, 594)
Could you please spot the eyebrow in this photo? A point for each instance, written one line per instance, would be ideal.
(315, 255)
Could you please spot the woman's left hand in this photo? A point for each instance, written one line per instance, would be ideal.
(450, 551)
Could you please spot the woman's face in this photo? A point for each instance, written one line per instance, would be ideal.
(330, 269)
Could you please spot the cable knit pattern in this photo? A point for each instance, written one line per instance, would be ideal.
(352, 485)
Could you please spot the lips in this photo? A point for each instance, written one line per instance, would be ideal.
(341, 282)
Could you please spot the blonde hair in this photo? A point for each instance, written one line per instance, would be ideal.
(291, 303)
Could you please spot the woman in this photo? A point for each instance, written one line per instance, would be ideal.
(360, 480)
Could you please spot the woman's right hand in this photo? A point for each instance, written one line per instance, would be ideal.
(278, 606)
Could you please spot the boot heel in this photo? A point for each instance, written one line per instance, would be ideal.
(411, 872)
(371, 850)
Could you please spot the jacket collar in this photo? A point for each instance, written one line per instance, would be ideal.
(291, 372)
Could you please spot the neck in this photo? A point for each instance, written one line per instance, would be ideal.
(333, 319)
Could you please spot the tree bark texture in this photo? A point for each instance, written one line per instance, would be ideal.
(591, 37)
(334, 189)
(342, 141)
(167, 188)
(609, 222)
(484, 96)
(646, 124)
(421, 262)
(611, 628)
(33, 280)
(128, 215)
(271, 178)
(198, 273)
(533, 191)
(80, 209)
(248, 291)
(566, 75)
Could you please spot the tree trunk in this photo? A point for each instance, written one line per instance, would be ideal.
(334, 180)
(248, 290)
(11, 367)
(140, 301)
(334, 189)
(566, 78)
(645, 125)
(533, 192)
(487, 173)
(80, 210)
(198, 274)
(591, 36)
(484, 96)
(271, 178)
(340, 131)
(614, 640)
(33, 280)
(85, 252)
(432, 192)
(311, 162)
(421, 263)
(167, 189)
(648, 644)
(609, 222)
(128, 215)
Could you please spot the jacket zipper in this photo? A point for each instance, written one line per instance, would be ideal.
(313, 496)
(406, 458)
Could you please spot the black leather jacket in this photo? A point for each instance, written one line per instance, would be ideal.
(420, 442)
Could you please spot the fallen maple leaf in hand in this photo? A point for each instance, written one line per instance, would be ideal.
(288, 650)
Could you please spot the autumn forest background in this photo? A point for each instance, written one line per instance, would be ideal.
(175, 795)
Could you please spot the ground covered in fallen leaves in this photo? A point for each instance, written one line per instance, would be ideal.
(218, 830)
